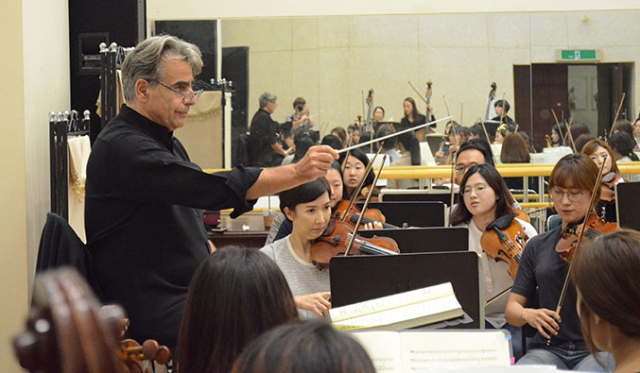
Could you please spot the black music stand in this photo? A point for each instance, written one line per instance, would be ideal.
(416, 195)
(424, 240)
(492, 127)
(434, 140)
(359, 278)
(414, 214)
(628, 205)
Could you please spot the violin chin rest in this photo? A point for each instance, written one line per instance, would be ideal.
(501, 223)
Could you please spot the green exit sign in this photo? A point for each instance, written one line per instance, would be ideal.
(581, 55)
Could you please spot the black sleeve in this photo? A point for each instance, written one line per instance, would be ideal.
(525, 283)
(144, 172)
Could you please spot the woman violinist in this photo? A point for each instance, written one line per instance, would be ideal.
(483, 198)
(600, 152)
(308, 207)
(542, 273)
(354, 172)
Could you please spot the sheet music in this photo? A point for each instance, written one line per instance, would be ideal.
(423, 351)
(391, 301)
(383, 349)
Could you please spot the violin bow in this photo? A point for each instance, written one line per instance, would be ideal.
(562, 135)
(356, 191)
(379, 139)
(366, 203)
(484, 128)
(453, 159)
(570, 135)
(617, 113)
(502, 113)
(418, 93)
(592, 203)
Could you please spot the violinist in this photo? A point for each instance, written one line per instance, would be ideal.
(606, 277)
(410, 150)
(599, 152)
(483, 198)
(558, 135)
(354, 172)
(308, 207)
(542, 274)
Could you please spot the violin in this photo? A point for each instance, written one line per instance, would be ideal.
(351, 215)
(364, 192)
(504, 240)
(522, 215)
(594, 227)
(607, 192)
(335, 240)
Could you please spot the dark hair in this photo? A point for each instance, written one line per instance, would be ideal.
(454, 125)
(362, 157)
(606, 275)
(506, 105)
(477, 131)
(378, 107)
(342, 134)
(561, 130)
(388, 143)
(463, 131)
(333, 141)
(299, 101)
(216, 326)
(514, 149)
(582, 140)
(312, 346)
(412, 145)
(302, 146)
(623, 125)
(414, 109)
(504, 203)
(578, 129)
(591, 147)
(623, 144)
(307, 192)
(574, 171)
(480, 145)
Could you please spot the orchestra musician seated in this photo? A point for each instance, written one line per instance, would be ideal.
(308, 207)
(235, 296)
(410, 156)
(354, 173)
(484, 197)
(606, 277)
(304, 346)
(599, 152)
(542, 273)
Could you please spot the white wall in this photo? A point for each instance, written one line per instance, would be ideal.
(35, 66)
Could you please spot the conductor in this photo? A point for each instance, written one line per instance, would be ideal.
(145, 199)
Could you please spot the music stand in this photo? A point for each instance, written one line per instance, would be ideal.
(435, 140)
(628, 205)
(358, 278)
(414, 214)
(424, 240)
(407, 195)
(492, 127)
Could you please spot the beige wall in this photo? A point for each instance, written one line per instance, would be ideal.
(35, 66)
(205, 9)
(331, 60)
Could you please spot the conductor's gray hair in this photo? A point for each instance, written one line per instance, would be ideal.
(266, 98)
(145, 61)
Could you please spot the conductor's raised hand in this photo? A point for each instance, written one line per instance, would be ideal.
(315, 163)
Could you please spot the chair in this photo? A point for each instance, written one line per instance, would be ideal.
(553, 221)
(60, 246)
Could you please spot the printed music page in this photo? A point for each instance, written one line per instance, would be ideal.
(400, 311)
(424, 350)
(383, 348)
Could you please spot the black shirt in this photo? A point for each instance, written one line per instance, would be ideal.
(542, 267)
(506, 119)
(144, 223)
(263, 133)
(405, 123)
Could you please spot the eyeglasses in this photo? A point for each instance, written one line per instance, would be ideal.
(573, 195)
(478, 189)
(186, 97)
(462, 168)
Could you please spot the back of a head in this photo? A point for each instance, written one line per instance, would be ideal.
(514, 149)
(578, 129)
(412, 145)
(582, 140)
(480, 145)
(311, 346)
(332, 141)
(623, 144)
(606, 274)
(216, 326)
(623, 125)
(387, 144)
(145, 61)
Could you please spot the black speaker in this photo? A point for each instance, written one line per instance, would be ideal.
(92, 22)
(201, 33)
